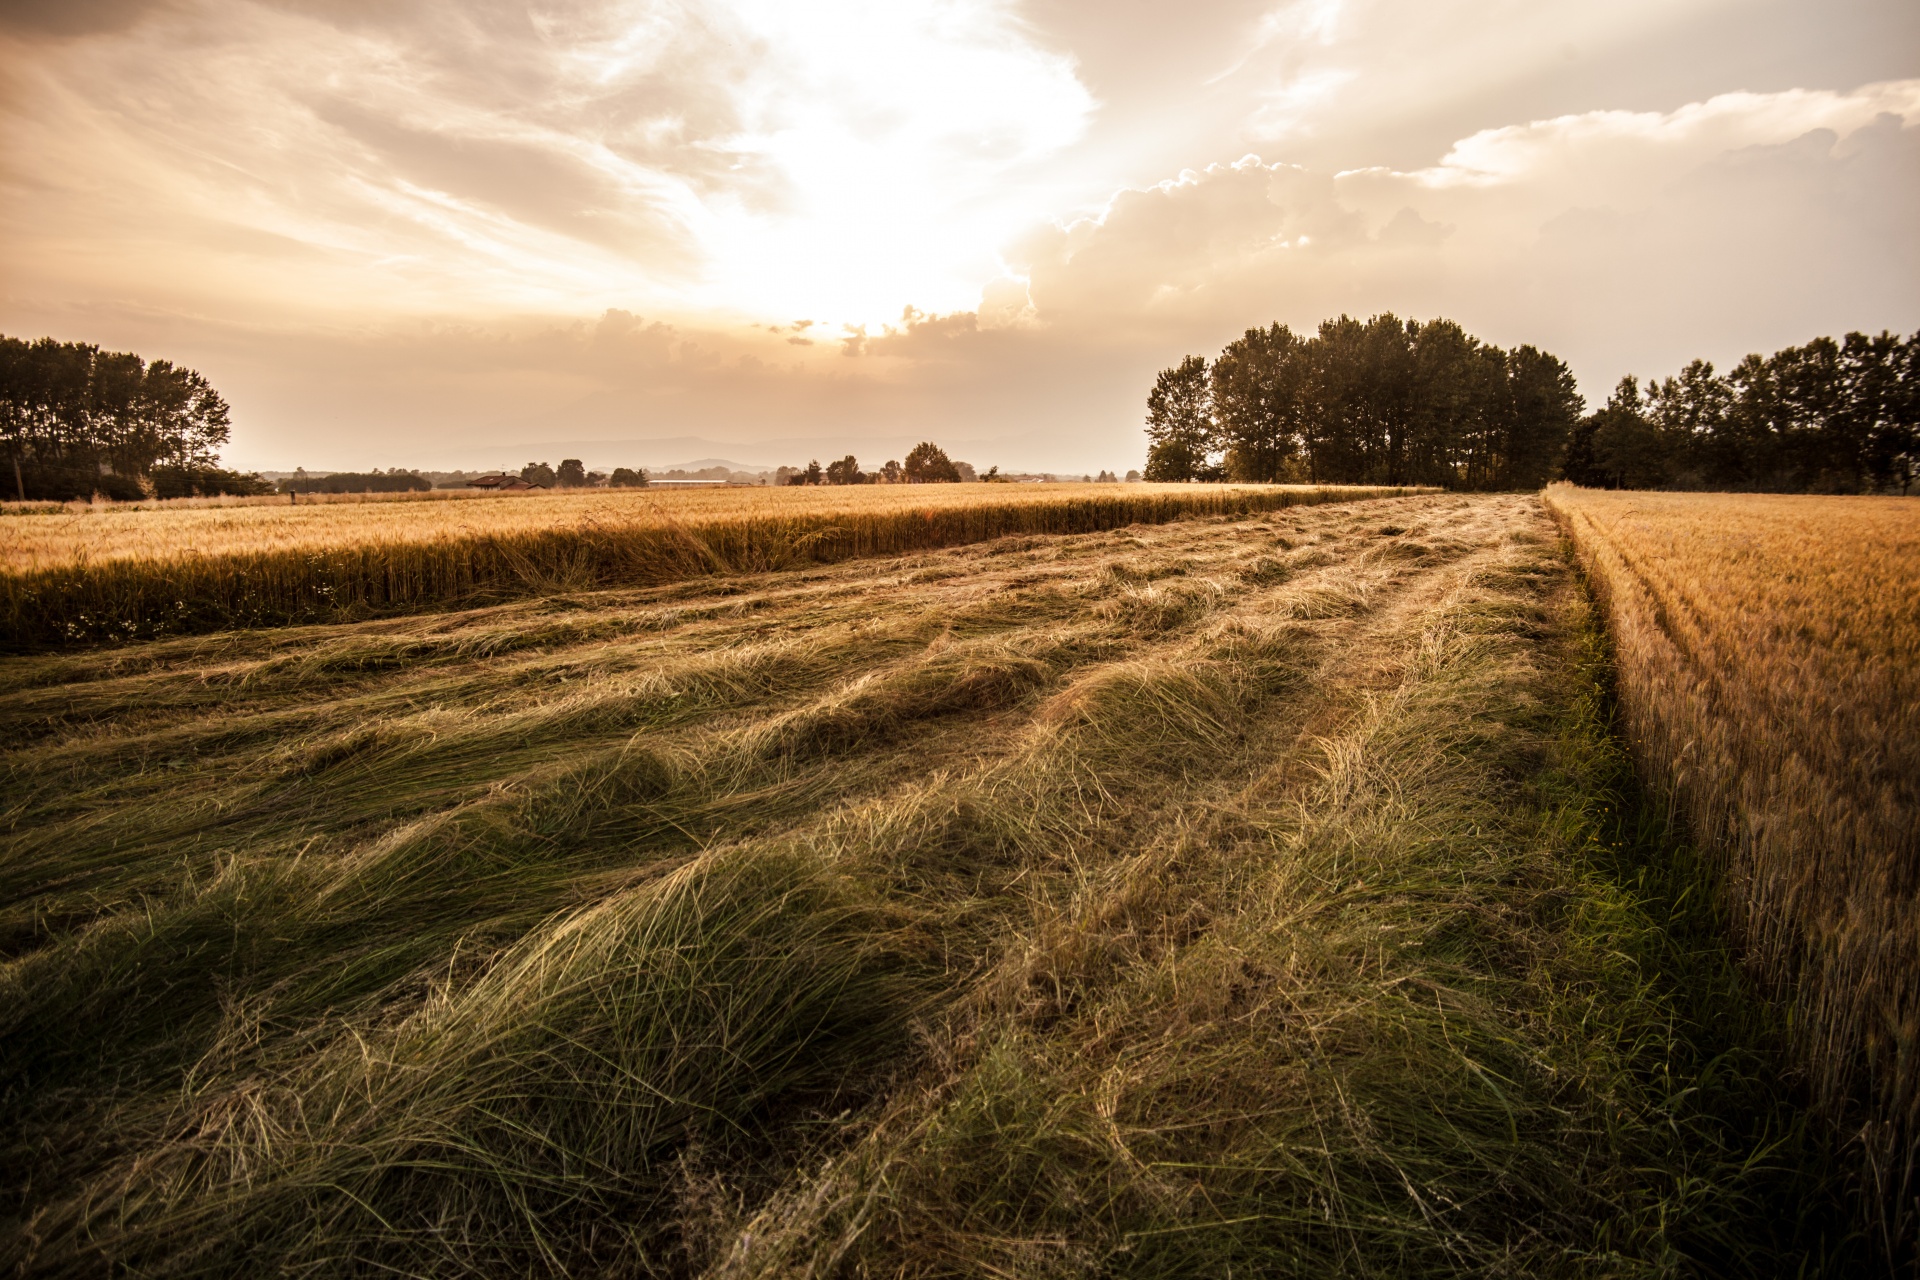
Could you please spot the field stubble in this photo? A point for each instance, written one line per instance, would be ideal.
(1769, 667)
(1234, 894)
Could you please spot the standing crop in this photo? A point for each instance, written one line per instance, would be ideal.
(82, 574)
(1769, 666)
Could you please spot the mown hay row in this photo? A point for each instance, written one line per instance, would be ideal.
(927, 918)
(1769, 659)
(182, 592)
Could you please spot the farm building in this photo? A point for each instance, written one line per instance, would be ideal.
(503, 482)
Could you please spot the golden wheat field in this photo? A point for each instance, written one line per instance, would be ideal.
(90, 533)
(111, 573)
(1249, 894)
(1769, 666)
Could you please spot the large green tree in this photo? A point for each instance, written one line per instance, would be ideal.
(928, 463)
(1260, 396)
(1392, 401)
(1826, 417)
(1542, 407)
(1631, 448)
(76, 419)
(1380, 401)
(1180, 427)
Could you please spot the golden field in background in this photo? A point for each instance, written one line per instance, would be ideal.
(73, 533)
(116, 573)
(1769, 670)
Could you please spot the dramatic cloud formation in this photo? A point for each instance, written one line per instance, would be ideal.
(421, 157)
(417, 231)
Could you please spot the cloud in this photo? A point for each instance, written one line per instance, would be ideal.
(1175, 249)
(1598, 150)
(66, 18)
(1747, 234)
(1289, 106)
(439, 221)
(1291, 24)
(1407, 227)
(1672, 212)
(693, 155)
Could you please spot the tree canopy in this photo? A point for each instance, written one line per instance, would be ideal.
(390, 481)
(78, 420)
(1180, 427)
(1387, 401)
(1384, 401)
(1827, 417)
(928, 463)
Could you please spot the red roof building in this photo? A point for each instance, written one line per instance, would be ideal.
(503, 482)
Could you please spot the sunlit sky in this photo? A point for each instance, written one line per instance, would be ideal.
(429, 233)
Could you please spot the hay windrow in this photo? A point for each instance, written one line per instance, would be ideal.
(1073, 903)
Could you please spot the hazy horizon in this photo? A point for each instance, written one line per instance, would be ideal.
(432, 234)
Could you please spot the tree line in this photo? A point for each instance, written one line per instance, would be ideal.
(1826, 417)
(77, 420)
(1391, 401)
(392, 480)
(927, 463)
(1385, 401)
(573, 474)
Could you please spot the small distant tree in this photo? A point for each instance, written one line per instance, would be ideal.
(1180, 421)
(1133, 477)
(627, 478)
(965, 471)
(846, 471)
(893, 472)
(993, 476)
(538, 473)
(571, 475)
(928, 464)
(1107, 477)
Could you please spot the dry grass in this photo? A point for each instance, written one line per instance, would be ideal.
(1241, 895)
(1769, 654)
(90, 573)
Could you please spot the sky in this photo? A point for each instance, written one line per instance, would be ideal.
(450, 233)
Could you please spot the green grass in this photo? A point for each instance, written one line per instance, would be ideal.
(1240, 896)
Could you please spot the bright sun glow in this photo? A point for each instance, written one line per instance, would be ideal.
(899, 133)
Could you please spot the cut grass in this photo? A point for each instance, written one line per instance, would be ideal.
(958, 915)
